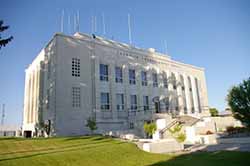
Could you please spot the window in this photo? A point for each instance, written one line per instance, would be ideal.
(174, 81)
(131, 125)
(189, 84)
(119, 102)
(145, 103)
(166, 101)
(105, 101)
(75, 67)
(183, 94)
(118, 74)
(103, 72)
(165, 82)
(133, 102)
(76, 97)
(144, 80)
(155, 80)
(131, 76)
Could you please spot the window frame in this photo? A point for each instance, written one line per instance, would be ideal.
(132, 76)
(120, 106)
(76, 97)
(155, 80)
(106, 104)
(145, 103)
(75, 67)
(103, 71)
(144, 80)
(118, 75)
(133, 103)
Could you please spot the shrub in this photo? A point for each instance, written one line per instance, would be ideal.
(149, 128)
(91, 123)
(181, 137)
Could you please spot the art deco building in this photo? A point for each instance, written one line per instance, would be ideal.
(121, 86)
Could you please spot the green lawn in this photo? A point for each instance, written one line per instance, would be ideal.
(91, 151)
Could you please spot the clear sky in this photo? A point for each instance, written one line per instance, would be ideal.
(214, 34)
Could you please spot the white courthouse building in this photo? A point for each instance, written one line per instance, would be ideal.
(83, 76)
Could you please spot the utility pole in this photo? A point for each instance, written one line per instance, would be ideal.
(3, 115)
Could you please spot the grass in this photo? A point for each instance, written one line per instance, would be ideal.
(97, 150)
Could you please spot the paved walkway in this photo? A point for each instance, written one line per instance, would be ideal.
(218, 147)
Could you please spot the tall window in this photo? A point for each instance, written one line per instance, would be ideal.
(155, 80)
(132, 76)
(103, 72)
(173, 78)
(119, 102)
(76, 97)
(145, 103)
(75, 67)
(133, 102)
(183, 94)
(166, 101)
(165, 80)
(105, 101)
(191, 94)
(144, 80)
(118, 74)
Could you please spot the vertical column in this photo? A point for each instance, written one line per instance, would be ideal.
(26, 98)
(170, 90)
(195, 99)
(37, 96)
(187, 94)
(30, 96)
(112, 89)
(34, 97)
(126, 86)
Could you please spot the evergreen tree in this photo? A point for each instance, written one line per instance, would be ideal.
(3, 42)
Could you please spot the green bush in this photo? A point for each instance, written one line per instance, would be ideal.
(149, 128)
(91, 124)
(181, 137)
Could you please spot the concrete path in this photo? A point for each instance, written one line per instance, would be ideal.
(218, 147)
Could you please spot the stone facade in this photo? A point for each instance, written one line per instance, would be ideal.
(67, 83)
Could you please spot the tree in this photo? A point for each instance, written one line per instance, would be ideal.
(239, 101)
(149, 128)
(91, 124)
(3, 42)
(213, 111)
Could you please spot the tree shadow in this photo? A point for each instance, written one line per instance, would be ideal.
(82, 145)
(10, 138)
(78, 138)
(219, 158)
(58, 150)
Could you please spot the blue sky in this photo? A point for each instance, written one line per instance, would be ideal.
(214, 34)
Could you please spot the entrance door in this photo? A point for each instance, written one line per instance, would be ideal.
(27, 134)
(157, 107)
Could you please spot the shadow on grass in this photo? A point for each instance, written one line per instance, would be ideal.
(77, 138)
(220, 158)
(54, 152)
(82, 145)
(10, 138)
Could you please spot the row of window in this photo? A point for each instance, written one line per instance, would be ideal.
(120, 104)
(104, 76)
(105, 103)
